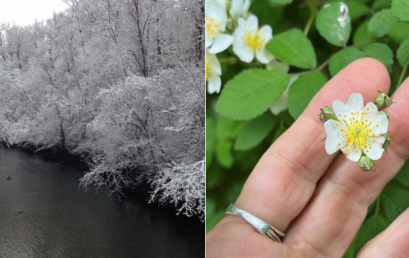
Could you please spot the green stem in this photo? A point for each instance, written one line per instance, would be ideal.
(322, 66)
(402, 76)
(307, 27)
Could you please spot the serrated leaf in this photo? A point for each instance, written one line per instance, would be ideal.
(380, 52)
(334, 23)
(224, 154)
(252, 133)
(381, 23)
(303, 90)
(362, 34)
(294, 48)
(251, 92)
(399, 32)
(400, 9)
(340, 60)
(380, 4)
(280, 2)
(356, 9)
(371, 227)
(403, 53)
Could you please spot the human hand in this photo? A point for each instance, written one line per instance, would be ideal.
(320, 200)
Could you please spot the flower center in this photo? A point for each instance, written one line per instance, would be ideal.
(209, 69)
(358, 131)
(253, 40)
(212, 27)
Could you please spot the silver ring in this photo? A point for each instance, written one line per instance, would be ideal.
(263, 227)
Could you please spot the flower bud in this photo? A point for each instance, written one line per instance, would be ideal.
(386, 114)
(327, 114)
(387, 140)
(383, 101)
(365, 163)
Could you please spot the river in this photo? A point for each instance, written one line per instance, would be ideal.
(43, 213)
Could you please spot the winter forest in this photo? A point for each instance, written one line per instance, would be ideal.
(118, 83)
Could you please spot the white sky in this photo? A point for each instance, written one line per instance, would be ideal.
(24, 12)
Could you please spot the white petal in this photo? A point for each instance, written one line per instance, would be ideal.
(340, 108)
(214, 84)
(355, 102)
(214, 63)
(235, 7)
(334, 136)
(209, 41)
(266, 32)
(217, 12)
(353, 153)
(245, 7)
(252, 22)
(221, 43)
(376, 150)
(264, 56)
(372, 111)
(380, 124)
(244, 53)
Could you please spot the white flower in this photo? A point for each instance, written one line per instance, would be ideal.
(359, 130)
(250, 40)
(216, 18)
(213, 72)
(239, 7)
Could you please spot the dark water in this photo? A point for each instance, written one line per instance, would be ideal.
(43, 213)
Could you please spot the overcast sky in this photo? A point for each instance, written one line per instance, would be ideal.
(24, 12)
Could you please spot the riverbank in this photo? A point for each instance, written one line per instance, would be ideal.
(59, 155)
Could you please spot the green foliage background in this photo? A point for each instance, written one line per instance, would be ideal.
(307, 36)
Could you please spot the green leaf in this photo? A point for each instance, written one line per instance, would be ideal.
(252, 133)
(280, 2)
(334, 24)
(224, 155)
(340, 60)
(380, 52)
(399, 32)
(225, 127)
(371, 227)
(350, 253)
(400, 9)
(380, 4)
(361, 34)
(279, 132)
(294, 48)
(403, 175)
(303, 90)
(211, 138)
(356, 9)
(251, 92)
(403, 53)
(381, 23)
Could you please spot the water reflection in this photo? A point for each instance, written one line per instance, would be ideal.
(43, 213)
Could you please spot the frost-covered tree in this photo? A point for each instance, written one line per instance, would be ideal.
(119, 83)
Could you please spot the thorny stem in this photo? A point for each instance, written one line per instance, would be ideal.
(402, 76)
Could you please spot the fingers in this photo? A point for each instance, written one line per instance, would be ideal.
(284, 179)
(343, 195)
(393, 242)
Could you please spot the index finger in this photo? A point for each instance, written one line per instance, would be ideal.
(285, 177)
